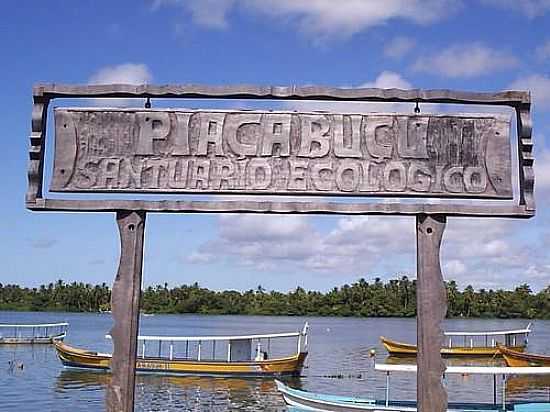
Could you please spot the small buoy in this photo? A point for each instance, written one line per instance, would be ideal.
(372, 352)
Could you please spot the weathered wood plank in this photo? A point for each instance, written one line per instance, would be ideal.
(270, 153)
(526, 159)
(35, 170)
(276, 207)
(431, 309)
(125, 309)
(509, 98)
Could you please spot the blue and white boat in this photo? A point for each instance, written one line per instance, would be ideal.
(299, 400)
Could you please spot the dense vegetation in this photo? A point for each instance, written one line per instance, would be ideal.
(394, 298)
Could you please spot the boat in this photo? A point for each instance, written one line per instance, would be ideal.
(236, 357)
(303, 400)
(521, 359)
(467, 343)
(40, 333)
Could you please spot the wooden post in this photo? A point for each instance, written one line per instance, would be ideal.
(125, 299)
(431, 308)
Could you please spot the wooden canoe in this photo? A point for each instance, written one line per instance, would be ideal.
(515, 358)
(80, 358)
(395, 348)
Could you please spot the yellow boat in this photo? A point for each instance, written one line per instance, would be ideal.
(467, 343)
(518, 359)
(237, 356)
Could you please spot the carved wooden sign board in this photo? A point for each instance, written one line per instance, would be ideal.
(177, 151)
(464, 160)
(320, 154)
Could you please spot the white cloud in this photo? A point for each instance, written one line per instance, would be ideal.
(453, 268)
(128, 73)
(541, 272)
(291, 227)
(530, 8)
(542, 173)
(385, 80)
(466, 60)
(197, 257)
(320, 18)
(491, 251)
(282, 242)
(482, 252)
(543, 51)
(538, 85)
(398, 47)
(210, 13)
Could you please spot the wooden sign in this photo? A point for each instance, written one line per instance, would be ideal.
(281, 153)
(265, 152)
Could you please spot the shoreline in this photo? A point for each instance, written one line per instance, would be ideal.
(151, 314)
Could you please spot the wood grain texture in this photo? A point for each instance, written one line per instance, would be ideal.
(274, 207)
(125, 300)
(509, 98)
(269, 153)
(526, 158)
(431, 309)
(35, 170)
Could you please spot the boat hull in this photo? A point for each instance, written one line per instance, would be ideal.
(79, 358)
(30, 340)
(307, 401)
(395, 348)
(515, 358)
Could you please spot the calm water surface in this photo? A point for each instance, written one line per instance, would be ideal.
(338, 347)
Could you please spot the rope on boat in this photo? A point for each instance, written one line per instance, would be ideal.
(361, 375)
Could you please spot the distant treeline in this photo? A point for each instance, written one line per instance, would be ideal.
(392, 298)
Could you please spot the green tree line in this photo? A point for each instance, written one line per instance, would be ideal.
(396, 297)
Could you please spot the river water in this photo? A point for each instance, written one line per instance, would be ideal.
(338, 363)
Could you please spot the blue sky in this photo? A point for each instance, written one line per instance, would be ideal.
(473, 45)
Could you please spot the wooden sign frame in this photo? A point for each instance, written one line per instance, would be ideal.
(430, 218)
(520, 101)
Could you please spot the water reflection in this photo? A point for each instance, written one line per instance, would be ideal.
(69, 380)
(182, 392)
(519, 386)
(339, 362)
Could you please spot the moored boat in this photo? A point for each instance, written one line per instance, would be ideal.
(304, 400)
(467, 343)
(521, 359)
(238, 358)
(40, 333)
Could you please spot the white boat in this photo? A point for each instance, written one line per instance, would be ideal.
(40, 333)
(229, 356)
(308, 401)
